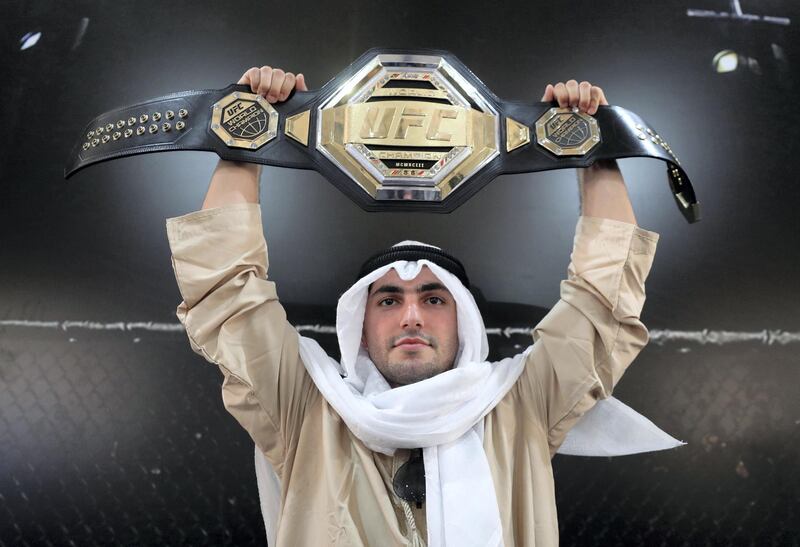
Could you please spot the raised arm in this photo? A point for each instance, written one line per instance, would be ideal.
(230, 307)
(585, 343)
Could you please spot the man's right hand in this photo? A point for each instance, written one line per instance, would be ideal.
(273, 84)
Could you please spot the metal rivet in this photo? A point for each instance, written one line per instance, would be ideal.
(116, 135)
(143, 118)
(140, 130)
(95, 142)
(153, 128)
(169, 114)
(183, 112)
(86, 145)
(595, 138)
(639, 127)
(214, 126)
(180, 125)
(98, 131)
(156, 116)
(253, 145)
(109, 127)
(229, 142)
(131, 121)
(166, 126)
(642, 136)
(120, 124)
(128, 133)
(650, 131)
(90, 134)
(106, 138)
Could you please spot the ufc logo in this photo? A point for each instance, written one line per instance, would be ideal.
(380, 120)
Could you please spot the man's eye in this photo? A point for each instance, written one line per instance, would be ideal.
(387, 302)
(435, 300)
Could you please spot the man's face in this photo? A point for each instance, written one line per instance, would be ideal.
(410, 327)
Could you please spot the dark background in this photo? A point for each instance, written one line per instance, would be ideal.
(113, 432)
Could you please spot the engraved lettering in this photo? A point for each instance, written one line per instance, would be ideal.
(377, 122)
(433, 131)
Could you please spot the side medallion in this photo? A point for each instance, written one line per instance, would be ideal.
(567, 132)
(243, 120)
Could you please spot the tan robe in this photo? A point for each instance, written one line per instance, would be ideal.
(335, 491)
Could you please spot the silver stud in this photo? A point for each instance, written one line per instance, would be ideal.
(95, 142)
(180, 125)
(156, 116)
(650, 132)
(106, 138)
(120, 124)
(116, 135)
(128, 132)
(641, 136)
(109, 127)
(166, 126)
(253, 145)
(90, 134)
(153, 128)
(639, 127)
(98, 131)
(131, 121)
(140, 130)
(86, 145)
(169, 114)
(143, 118)
(183, 113)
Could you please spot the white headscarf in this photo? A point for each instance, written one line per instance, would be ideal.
(443, 415)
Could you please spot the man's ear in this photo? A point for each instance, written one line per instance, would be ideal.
(363, 340)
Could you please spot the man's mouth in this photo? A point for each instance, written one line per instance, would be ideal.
(411, 343)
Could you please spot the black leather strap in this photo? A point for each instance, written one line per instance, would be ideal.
(132, 130)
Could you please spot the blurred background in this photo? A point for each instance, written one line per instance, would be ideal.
(112, 431)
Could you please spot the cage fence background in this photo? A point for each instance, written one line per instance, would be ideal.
(113, 437)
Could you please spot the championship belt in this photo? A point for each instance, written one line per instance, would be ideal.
(411, 130)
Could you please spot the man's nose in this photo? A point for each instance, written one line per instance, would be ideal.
(412, 316)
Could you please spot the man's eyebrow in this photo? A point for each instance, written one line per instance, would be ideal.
(391, 289)
(394, 289)
(432, 287)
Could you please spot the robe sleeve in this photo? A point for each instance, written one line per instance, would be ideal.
(233, 319)
(593, 333)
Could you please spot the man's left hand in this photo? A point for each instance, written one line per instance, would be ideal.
(585, 96)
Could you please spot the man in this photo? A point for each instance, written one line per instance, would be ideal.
(413, 438)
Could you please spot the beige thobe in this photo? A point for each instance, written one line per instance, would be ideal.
(334, 490)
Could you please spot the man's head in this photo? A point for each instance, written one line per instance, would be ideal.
(410, 327)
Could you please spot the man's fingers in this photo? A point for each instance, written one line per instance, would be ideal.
(265, 81)
(278, 77)
(584, 96)
(549, 92)
(574, 93)
(597, 93)
(562, 95)
(250, 77)
(301, 82)
(286, 88)
(597, 98)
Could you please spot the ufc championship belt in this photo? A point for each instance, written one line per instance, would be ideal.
(411, 130)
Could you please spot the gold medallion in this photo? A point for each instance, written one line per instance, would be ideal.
(243, 120)
(567, 132)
